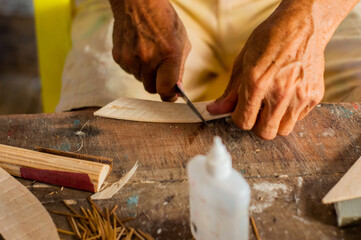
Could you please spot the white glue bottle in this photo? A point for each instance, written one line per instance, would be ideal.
(218, 196)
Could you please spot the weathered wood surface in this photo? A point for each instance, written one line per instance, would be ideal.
(288, 176)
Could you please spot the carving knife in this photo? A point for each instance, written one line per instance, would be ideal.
(189, 103)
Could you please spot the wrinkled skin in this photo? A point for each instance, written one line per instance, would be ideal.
(276, 79)
(280, 71)
(151, 43)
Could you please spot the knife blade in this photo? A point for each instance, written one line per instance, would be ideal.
(189, 103)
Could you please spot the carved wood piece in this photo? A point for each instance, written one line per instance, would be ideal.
(22, 216)
(152, 111)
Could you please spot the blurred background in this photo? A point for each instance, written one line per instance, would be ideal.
(19, 76)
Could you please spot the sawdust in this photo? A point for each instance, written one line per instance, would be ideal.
(266, 193)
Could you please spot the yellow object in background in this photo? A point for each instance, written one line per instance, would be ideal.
(53, 26)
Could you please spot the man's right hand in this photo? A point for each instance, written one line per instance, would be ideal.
(150, 42)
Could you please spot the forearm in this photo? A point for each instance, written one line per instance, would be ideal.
(325, 15)
(130, 6)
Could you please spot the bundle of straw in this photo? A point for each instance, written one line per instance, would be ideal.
(94, 224)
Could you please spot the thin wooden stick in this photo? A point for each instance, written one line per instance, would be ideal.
(68, 214)
(146, 235)
(138, 235)
(115, 228)
(71, 225)
(96, 207)
(107, 214)
(130, 234)
(113, 210)
(76, 227)
(85, 235)
(94, 237)
(254, 227)
(120, 223)
(82, 227)
(65, 231)
(84, 212)
(70, 208)
(120, 234)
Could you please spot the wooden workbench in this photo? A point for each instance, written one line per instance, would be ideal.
(288, 176)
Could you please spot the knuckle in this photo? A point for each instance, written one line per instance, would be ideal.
(256, 87)
(284, 132)
(317, 99)
(170, 52)
(283, 92)
(163, 90)
(116, 55)
(122, 58)
(268, 130)
(282, 96)
(146, 57)
(150, 88)
(253, 75)
(266, 135)
(313, 103)
(301, 94)
(242, 124)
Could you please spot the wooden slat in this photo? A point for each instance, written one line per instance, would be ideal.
(152, 111)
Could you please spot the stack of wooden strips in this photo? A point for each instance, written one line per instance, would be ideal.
(94, 224)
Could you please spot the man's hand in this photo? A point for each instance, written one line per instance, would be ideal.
(278, 76)
(150, 42)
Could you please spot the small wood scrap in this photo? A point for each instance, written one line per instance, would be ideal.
(109, 192)
(346, 196)
(255, 230)
(93, 224)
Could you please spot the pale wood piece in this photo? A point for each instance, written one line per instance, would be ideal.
(13, 158)
(349, 186)
(22, 216)
(152, 111)
(109, 192)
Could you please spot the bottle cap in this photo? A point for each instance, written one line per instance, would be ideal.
(219, 162)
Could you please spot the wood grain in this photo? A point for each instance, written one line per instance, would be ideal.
(152, 111)
(13, 159)
(22, 216)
